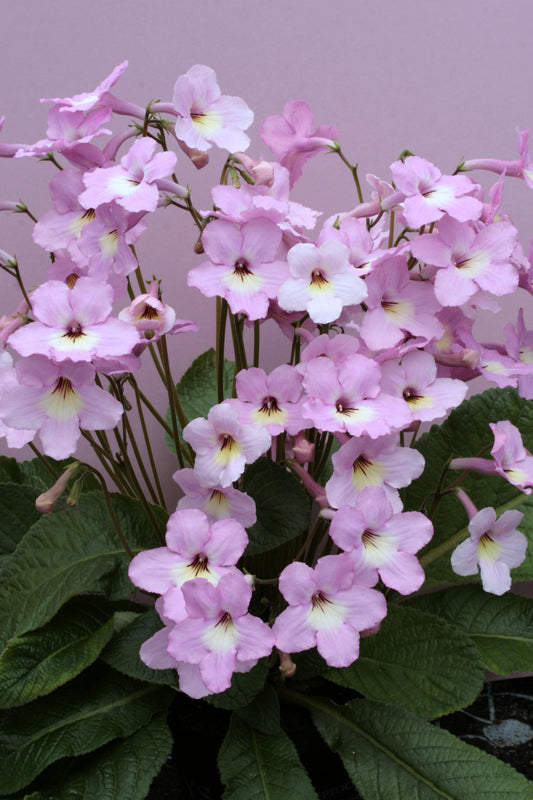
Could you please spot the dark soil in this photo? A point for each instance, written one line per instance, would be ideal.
(499, 722)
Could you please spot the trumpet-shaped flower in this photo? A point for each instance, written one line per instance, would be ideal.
(206, 116)
(223, 445)
(58, 400)
(328, 607)
(219, 634)
(383, 541)
(74, 323)
(218, 502)
(495, 545)
(322, 281)
(243, 267)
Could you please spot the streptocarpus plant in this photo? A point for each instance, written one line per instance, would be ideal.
(313, 516)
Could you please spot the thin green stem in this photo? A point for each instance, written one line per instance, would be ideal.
(111, 513)
(148, 444)
(257, 342)
(221, 319)
(44, 460)
(353, 170)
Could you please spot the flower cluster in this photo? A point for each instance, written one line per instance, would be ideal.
(378, 307)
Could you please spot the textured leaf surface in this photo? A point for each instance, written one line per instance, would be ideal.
(263, 712)
(38, 662)
(88, 712)
(390, 753)
(501, 627)
(68, 553)
(17, 515)
(465, 433)
(244, 687)
(122, 652)
(417, 661)
(281, 502)
(254, 766)
(197, 388)
(122, 770)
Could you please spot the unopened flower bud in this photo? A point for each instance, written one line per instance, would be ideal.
(46, 501)
(287, 667)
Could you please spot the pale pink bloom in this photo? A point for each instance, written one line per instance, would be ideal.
(149, 314)
(9, 324)
(196, 547)
(15, 437)
(223, 445)
(74, 323)
(328, 608)
(293, 137)
(513, 461)
(520, 168)
(271, 401)
(105, 241)
(322, 281)
(65, 131)
(469, 260)
(88, 100)
(133, 182)
(337, 348)
(62, 227)
(219, 634)
(361, 243)
(383, 541)
(495, 545)
(398, 305)
(365, 462)
(206, 116)
(519, 345)
(429, 194)
(347, 397)
(494, 364)
(218, 502)
(414, 378)
(58, 400)
(243, 266)
(262, 172)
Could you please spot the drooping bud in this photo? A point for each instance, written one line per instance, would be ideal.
(46, 501)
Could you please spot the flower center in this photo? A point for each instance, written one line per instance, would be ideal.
(241, 268)
(320, 602)
(410, 395)
(149, 312)
(75, 332)
(64, 388)
(71, 280)
(270, 406)
(227, 442)
(362, 464)
(370, 539)
(318, 278)
(225, 621)
(199, 565)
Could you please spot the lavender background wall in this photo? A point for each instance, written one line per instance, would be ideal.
(446, 80)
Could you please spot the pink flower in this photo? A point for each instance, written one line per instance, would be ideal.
(218, 502)
(322, 281)
(243, 267)
(429, 194)
(66, 131)
(58, 400)
(88, 100)
(195, 547)
(495, 545)
(328, 607)
(223, 445)
(292, 138)
(132, 183)
(74, 323)
(383, 541)
(206, 116)
(271, 401)
(219, 634)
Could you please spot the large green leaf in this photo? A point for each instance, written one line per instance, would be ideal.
(501, 627)
(68, 553)
(17, 515)
(122, 770)
(98, 706)
(390, 753)
(418, 661)
(38, 662)
(283, 508)
(465, 433)
(197, 388)
(122, 652)
(255, 766)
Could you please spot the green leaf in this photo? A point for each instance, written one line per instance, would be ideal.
(501, 627)
(122, 652)
(122, 770)
(254, 766)
(68, 553)
(38, 662)
(418, 661)
(98, 706)
(390, 753)
(263, 712)
(283, 509)
(197, 389)
(244, 687)
(17, 515)
(465, 433)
